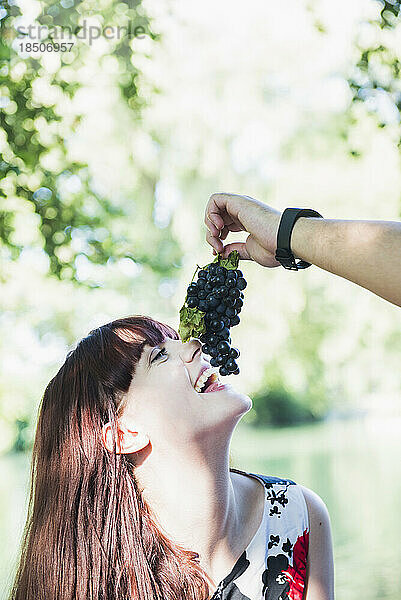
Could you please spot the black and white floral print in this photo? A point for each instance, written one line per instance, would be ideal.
(273, 566)
(227, 588)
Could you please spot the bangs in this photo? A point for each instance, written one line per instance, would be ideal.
(139, 331)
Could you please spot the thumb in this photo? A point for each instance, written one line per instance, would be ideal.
(241, 249)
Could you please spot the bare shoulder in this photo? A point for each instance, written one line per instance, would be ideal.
(320, 567)
(317, 509)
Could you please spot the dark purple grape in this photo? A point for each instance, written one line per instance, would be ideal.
(230, 282)
(220, 359)
(220, 280)
(201, 283)
(226, 320)
(213, 314)
(234, 353)
(220, 292)
(212, 301)
(213, 362)
(213, 351)
(212, 268)
(221, 308)
(214, 281)
(230, 311)
(202, 305)
(208, 287)
(223, 371)
(235, 321)
(221, 271)
(223, 347)
(238, 303)
(236, 372)
(241, 295)
(192, 301)
(239, 273)
(202, 294)
(206, 348)
(192, 290)
(224, 334)
(217, 325)
(234, 292)
(228, 301)
(231, 365)
(202, 274)
(213, 339)
(241, 283)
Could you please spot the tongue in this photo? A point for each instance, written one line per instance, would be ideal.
(213, 386)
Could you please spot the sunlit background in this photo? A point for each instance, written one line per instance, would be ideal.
(109, 153)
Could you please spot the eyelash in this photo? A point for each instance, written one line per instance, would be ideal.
(162, 351)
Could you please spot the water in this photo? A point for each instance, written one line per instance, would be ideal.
(354, 466)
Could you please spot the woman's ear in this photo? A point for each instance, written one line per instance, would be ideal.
(128, 441)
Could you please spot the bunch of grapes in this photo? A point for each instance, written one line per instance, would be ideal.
(218, 293)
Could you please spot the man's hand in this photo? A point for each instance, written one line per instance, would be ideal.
(233, 212)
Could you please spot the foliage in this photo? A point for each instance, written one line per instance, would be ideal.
(38, 173)
(277, 406)
(375, 78)
(281, 398)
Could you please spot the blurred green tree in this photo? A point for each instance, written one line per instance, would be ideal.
(375, 77)
(36, 169)
(294, 387)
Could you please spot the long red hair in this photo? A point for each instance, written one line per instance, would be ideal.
(89, 534)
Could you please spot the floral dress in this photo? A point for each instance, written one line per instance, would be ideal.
(273, 566)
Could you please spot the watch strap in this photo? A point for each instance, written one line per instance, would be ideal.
(284, 254)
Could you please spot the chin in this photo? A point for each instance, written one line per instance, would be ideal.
(233, 402)
(246, 403)
(220, 411)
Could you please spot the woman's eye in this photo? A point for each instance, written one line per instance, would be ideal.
(160, 353)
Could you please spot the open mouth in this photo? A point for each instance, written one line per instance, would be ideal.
(207, 382)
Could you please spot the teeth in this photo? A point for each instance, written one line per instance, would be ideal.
(205, 375)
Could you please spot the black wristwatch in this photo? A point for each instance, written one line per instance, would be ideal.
(284, 254)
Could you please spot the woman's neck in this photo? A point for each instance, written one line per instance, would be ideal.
(190, 492)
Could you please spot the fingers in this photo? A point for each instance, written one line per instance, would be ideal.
(211, 226)
(213, 218)
(219, 221)
(224, 232)
(215, 242)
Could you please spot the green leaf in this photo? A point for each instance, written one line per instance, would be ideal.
(192, 323)
(231, 262)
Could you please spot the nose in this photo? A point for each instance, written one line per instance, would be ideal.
(191, 350)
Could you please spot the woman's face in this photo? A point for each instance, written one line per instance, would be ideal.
(162, 402)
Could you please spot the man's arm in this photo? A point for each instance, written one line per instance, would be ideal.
(320, 564)
(365, 252)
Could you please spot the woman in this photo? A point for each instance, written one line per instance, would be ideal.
(132, 496)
